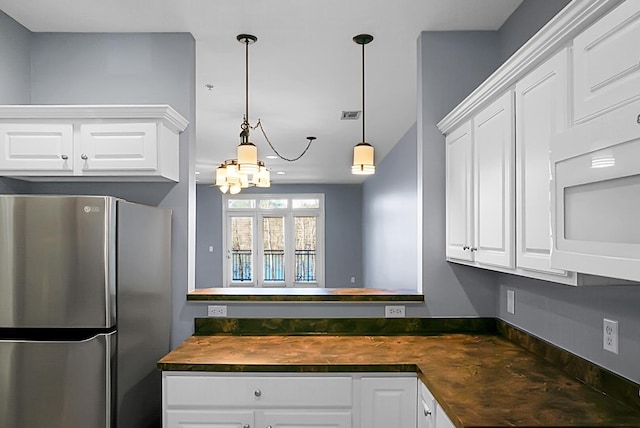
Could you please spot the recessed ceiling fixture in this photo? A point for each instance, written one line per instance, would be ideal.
(363, 152)
(236, 174)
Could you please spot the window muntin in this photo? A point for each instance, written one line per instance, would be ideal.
(287, 240)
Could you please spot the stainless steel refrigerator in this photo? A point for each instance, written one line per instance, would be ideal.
(84, 311)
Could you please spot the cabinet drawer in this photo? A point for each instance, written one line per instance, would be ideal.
(607, 62)
(257, 392)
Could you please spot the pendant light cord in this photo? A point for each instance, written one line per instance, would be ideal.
(363, 118)
(246, 79)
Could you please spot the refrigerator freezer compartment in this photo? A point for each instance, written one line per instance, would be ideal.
(57, 384)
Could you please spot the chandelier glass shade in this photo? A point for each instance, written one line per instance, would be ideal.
(363, 152)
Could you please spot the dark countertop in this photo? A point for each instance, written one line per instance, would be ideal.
(481, 380)
(253, 294)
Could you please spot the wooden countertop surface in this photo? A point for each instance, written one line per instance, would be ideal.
(479, 380)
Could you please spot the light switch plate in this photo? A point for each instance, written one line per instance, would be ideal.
(511, 301)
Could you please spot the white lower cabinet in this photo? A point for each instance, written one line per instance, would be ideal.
(388, 402)
(215, 400)
(430, 413)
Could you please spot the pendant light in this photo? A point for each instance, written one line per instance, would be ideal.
(363, 152)
(236, 174)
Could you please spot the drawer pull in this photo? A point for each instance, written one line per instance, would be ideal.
(84, 157)
(268, 426)
(246, 426)
(465, 248)
(638, 119)
(64, 157)
(257, 393)
(473, 249)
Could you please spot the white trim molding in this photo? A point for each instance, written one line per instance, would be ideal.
(557, 33)
(165, 113)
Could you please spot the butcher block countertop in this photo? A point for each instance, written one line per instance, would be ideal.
(479, 379)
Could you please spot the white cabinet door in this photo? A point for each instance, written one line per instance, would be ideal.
(493, 183)
(541, 111)
(606, 62)
(388, 402)
(118, 147)
(459, 199)
(208, 419)
(442, 420)
(426, 407)
(303, 419)
(30, 146)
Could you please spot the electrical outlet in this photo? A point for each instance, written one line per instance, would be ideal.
(396, 311)
(610, 335)
(217, 311)
(511, 301)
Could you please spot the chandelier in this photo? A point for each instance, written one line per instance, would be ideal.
(246, 170)
(363, 152)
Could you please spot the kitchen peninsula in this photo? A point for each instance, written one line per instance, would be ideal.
(481, 372)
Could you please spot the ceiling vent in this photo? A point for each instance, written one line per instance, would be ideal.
(350, 115)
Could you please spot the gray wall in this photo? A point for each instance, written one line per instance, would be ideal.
(524, 22)
(129, 69)
(390, 219)
(14, 61)
(451, 64)
(343, 232)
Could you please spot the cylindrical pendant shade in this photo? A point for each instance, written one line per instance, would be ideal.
(363, 159)
(221, 176)
(248, 158)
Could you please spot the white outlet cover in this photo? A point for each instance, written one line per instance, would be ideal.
(610, 335)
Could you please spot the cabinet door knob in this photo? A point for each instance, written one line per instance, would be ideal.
(257, 393)
(268, 426)
(465, 248)
(64, 157)
(638, 119)
(246, 426)
(473, 249)
(84, 157)
(427, 412)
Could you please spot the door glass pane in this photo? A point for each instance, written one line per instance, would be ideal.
(305, 260)
(305, 203)
(273, 247)
(241, 248)
(274, 204)
(241, 203)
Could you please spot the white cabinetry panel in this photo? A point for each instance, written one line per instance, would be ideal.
(388, 402)
(36, 146)
(303, 419)
(123, 146)
(208, 419)
(541, 111)
(493, 183)
(459, 199)
(607, 62)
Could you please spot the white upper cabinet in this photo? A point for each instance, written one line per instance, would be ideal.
(541, 111)
(123, 143)
(459, 199)
(606, 62)
(479, 197)
(493, 148)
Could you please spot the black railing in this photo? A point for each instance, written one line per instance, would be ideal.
(241, 265)
(305, 265)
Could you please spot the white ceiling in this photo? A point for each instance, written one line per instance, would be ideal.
(304, 70)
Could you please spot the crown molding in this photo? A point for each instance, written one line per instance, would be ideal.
(163, 112)
(557, 33)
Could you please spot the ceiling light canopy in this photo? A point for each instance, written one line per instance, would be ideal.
(246, 170)
(363, 152)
